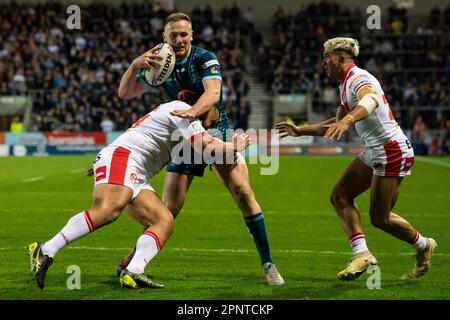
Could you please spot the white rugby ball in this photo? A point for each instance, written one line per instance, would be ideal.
(156, 77)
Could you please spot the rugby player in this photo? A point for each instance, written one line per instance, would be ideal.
(388, 157)
(121, 171)
(197, 77)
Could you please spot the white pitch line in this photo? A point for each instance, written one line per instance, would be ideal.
(294, 251)
(97, 248)
(434, 161)
(32, 179)
(220, 250)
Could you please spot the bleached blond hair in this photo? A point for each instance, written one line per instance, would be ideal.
(349, 45)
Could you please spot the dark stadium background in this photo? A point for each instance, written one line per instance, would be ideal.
(67, 80)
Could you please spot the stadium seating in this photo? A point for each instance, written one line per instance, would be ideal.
(73, 75)
(409, 54)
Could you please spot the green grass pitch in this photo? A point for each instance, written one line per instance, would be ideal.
(211, 254)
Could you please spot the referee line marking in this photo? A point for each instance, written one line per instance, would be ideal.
(33, 179)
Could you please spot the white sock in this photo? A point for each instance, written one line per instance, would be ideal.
(419, 242)
(358, 243)
(147, 248)
(77, 226)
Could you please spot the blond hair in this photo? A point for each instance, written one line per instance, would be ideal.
(349, 45)
(177, 16)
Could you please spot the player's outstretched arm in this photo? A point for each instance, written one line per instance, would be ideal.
(318, 129)
(368, 102)
(215, 146)
(129, 86)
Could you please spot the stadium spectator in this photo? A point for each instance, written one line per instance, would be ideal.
(249, 17)
(107, 124)
(244, 112)
(421, 139)
(41, 57)
(16, 125)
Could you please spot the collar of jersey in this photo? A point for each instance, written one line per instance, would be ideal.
(346, 72)
(182, 61)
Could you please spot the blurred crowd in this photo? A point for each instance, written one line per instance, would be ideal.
(73, 75)
(409, 55)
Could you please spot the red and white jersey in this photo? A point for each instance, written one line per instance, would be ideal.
(380, 126)
(152, 138)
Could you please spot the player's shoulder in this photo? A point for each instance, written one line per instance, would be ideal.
(198, 51)
(360, 72)
(358, 76)
(203, 54)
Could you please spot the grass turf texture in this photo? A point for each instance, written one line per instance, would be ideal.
(211, 254)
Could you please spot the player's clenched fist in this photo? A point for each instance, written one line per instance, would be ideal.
(149, 59)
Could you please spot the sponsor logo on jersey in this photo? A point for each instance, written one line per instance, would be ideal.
(188, 96)
(133, 178)
(358, 77)
(215, 70)
(377, 165)
(100, 173)
(209, 63)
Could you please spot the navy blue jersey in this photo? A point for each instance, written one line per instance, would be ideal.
(186, 81)
(186, 84)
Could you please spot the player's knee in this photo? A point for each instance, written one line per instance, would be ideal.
(103, 215)
(107, 211)
(242, 193)
(378, 222)
(338, 199)
(166, 221)
(112, 215)
(174, 206)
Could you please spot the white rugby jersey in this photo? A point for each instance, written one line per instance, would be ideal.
(152, 138)
(380, 126)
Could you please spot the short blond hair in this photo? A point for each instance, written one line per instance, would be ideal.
(349, 45)
(177, 16)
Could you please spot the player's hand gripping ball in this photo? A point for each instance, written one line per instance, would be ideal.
(155, 77)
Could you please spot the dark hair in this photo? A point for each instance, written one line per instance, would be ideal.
(349, 53)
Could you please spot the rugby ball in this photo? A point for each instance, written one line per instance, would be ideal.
(157, 77)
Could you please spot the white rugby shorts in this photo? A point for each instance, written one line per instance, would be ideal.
(116, 165)
(393, 159)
